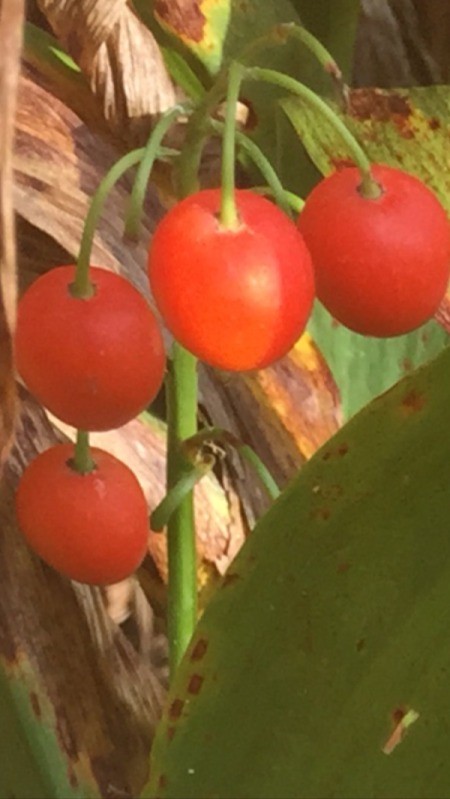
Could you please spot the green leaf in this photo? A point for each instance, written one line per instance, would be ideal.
(33, 763)
(364, 367)
(408, 129)
(327, 643)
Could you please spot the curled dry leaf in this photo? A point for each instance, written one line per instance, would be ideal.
(93, 691)
(120, 58)
(285, 412)
(59, 164)
(11, 19)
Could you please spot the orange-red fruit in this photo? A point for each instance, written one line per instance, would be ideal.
(92, 527)
(94, 363)
(237, 299)
(382, 265)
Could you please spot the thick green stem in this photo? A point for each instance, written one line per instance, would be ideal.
(228, 212)
(82, 459)
(135, 205)
(182, 423)
(369, 187)
(263, 164)
(188, 164)
(82, 286)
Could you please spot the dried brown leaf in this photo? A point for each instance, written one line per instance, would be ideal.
(59, 163)
(120, 58)
(11, 20)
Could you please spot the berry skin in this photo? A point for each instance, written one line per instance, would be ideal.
(94, 363)
(237, 299)
(90, 527)
(381, 266)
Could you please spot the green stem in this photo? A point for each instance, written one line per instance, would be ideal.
(281, 33)
(82, 287)
(193, 444)
(228, 212)
(182, 423)
(136, 202)
(188, 164)
(369, 187)
(292, 200)
(177, 493)
(263, 164)
(82, 459)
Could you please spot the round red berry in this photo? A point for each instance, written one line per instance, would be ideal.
(94, 363)
(381, 265)
(90, 527)
(236, 298)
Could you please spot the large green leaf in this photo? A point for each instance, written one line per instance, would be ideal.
(329, 635)
(405, 128)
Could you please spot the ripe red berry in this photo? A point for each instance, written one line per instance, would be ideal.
(381, 265)
(90, 527)
(238, 299)
(95, 363)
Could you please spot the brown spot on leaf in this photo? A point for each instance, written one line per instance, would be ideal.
(162, 782)
(434, 123)
(170, 733)
(401, 720)
(407, 365)
(320, 513)
(413, 402)
(73, 779)
(35, 704)
(176, 709)
(343, 449)
(326, 456)
(195, 684)
(343, 568)
(65, 735)
(360, 645)
(199, 649)
(182, 16)
(378, 105)
(230, 579)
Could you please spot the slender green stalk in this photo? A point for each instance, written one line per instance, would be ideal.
(188, 164)
(82, 286)
(136, 202)
(281, 33)
(294, 202)
(263, 164)
(228, 212)
(181, 386)
(178, 492)
(82, 460)
(369, 187)
(193, 444)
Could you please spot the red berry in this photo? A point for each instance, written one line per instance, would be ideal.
(238, 299)
(382, 265)
(95, 363)
(91, 527)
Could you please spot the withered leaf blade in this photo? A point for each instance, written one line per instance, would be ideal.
(120, 58)
(285, 412)
(59, 164)
(11, 21)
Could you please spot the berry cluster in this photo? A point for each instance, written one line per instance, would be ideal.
(238, 297)
(95, 362)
